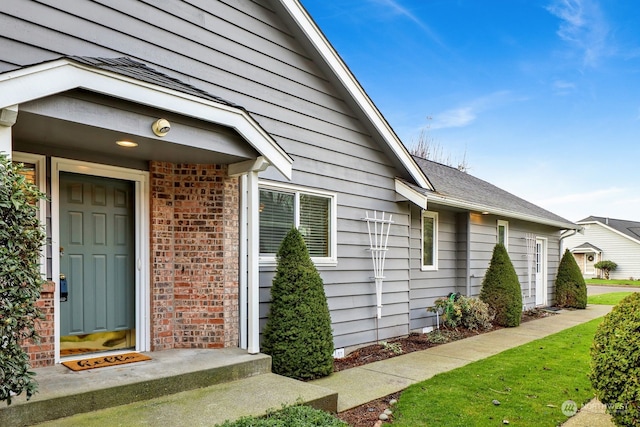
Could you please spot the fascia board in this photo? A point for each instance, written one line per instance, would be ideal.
(348, 80)
(500, 212)
(62, 75)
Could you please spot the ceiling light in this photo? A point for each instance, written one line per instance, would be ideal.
(127, 144)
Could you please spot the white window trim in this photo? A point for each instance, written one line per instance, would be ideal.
(505, 224)
(332, 259)
(41, 181)
(434, 215)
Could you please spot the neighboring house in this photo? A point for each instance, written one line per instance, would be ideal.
(177, 146)
(610, 239)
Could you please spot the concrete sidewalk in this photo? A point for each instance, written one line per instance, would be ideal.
(363, 384)
(356, 386)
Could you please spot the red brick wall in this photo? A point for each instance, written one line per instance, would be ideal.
(194, 256)
(42, 354)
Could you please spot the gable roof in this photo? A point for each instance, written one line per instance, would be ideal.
(629, 229)
(459, 189)
(313, 39)
(133, 81)
(586, 247)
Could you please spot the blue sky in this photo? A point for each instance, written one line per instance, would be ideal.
(543, 97)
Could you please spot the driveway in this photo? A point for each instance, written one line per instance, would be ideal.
(598, 289)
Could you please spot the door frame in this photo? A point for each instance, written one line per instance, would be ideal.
(141, 205)
(541, 300)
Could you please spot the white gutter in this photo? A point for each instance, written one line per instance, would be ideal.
(442, 200)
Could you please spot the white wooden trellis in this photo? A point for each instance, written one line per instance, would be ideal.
(378, 238)
(531, 252)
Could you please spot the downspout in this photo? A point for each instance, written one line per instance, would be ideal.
(468, 256)
(575, 231)
(243, 265)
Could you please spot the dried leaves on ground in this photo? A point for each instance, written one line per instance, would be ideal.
(367, 415)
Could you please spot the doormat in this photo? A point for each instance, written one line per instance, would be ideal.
(99, 362)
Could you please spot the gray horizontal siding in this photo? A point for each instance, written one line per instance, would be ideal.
(241, 51)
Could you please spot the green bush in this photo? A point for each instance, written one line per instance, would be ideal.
(615, 361)
(467, 312)
(298, 333)
(571, 289)
(606, 266)
(21, 238)
(294, 416)
(501, 289)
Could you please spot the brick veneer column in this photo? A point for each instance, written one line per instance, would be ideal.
(194, 240)
(42, 353)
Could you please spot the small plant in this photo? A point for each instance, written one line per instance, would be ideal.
(501, 289)
(298, 334)
(614, 361)
(606, 267)
(571, 289)
(467, 312)
(394, 347)
(21, 239)
(297, 415)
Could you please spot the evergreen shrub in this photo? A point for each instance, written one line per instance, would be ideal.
(298, 333)
(571, 289)
(501, 289)
(21, 239)
(615, 361)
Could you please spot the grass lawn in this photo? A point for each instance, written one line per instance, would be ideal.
(531, 382)
(613, 282)
(612, 298)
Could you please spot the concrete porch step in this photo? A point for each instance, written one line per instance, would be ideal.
(64, 393)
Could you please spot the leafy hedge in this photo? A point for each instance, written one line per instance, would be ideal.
(615, 361)
(21, 238)
(501, 289)
(298, 333)
(571, 289)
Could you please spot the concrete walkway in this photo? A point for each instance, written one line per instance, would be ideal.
(354, 386)
(363, 384)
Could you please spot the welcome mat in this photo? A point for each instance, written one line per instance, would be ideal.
(99, 362)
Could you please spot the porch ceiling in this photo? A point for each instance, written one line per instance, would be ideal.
(58, 137)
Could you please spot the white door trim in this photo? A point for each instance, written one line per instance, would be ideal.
(541, 271)
(141, 182)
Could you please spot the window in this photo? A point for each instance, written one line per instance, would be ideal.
(429, 240)
(34, 172)
(503, 233)
(312, 213)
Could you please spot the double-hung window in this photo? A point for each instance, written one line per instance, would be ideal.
(311, 212)
(503, 233)
(429, 240)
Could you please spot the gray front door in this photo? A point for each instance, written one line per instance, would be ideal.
(97, 251)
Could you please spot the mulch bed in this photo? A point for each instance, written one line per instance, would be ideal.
(367, 414)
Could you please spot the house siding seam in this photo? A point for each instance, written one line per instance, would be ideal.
(194, 241)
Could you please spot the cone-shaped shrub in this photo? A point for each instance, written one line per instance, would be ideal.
(571, 289)
(501, 289)
(615, 361)
(298, 333)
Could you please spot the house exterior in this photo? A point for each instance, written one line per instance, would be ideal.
(610, 239)
(178, 143)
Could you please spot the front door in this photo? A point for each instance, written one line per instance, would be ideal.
(97, 252)
(541, 271)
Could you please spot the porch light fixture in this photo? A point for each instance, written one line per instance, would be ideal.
(161, 127)
(127, 144)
